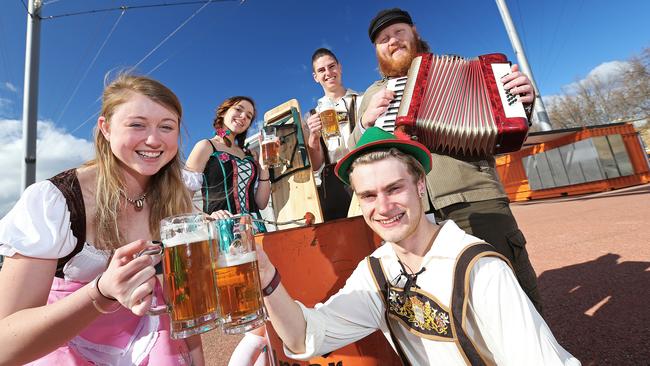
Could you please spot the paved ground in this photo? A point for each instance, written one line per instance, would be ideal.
(592, 257)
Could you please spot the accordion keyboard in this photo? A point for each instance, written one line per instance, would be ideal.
(387, 120)
(455, 105)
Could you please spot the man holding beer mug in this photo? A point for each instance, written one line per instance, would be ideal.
(443, 296)
(329, 128)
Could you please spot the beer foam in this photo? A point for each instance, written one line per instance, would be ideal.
(185, 238)
(230, 260)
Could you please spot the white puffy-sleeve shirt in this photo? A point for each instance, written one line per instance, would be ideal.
(502, 322)
(192, 180)
(38, 226)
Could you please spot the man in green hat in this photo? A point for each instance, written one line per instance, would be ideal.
(442, 296)
(465, 189)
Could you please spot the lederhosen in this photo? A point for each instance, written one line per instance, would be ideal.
(335, 196)
(68, 184)
(422, 315)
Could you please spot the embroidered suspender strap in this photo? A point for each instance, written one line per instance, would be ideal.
(459, 298)
(68, 184)
(383, 286)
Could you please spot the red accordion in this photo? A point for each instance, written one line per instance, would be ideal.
(458, 106)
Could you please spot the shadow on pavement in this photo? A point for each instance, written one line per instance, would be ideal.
(599, 310)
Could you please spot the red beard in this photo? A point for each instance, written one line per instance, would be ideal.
(397, 67)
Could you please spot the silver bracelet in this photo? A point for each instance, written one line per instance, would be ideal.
(96, 296)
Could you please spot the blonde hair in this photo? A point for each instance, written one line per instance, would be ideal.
(166, 194)
(413, 166)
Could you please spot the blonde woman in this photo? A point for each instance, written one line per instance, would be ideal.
(72, 292)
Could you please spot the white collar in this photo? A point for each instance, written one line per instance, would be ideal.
(348, 92)
(448, 232)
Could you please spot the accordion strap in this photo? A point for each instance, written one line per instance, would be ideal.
(352, 112)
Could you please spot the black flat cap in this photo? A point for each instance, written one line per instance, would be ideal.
(385, 18)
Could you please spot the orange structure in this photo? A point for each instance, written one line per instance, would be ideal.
(314, 262)
(512, 168)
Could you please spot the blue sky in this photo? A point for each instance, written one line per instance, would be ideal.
(263, 48)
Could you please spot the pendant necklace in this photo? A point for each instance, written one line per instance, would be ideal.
(138, 203)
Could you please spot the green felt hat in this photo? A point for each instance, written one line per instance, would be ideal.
(377, 139)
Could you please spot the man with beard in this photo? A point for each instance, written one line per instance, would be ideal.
(442, 296)
(334, 196)
(464, 189)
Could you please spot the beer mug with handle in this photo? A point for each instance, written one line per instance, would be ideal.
(328, 118)
(238, 280)
(270, 147)
(188, 277)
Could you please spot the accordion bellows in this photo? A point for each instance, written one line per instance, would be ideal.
(459, 106)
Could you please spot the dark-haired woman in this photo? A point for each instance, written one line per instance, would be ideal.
(232, 182)
(229, 177)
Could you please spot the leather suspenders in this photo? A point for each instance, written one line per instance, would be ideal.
(383, 285)
(464, 264)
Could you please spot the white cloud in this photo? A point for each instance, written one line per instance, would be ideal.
(11, 87)
(607, 70)
(56, 150)
(607, 73)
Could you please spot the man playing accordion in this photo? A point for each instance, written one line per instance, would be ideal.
(465, 189)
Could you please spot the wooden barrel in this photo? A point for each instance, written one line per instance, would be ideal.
(314, 262)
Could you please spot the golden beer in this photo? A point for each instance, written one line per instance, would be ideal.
(238, 279)
(238, 286)
(189, 281)
(271, 152)
(330, 123)
(188, 275)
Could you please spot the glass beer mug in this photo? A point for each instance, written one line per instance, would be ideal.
(270, 147)
(238, 279)
(188, 277)
(328, 118)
